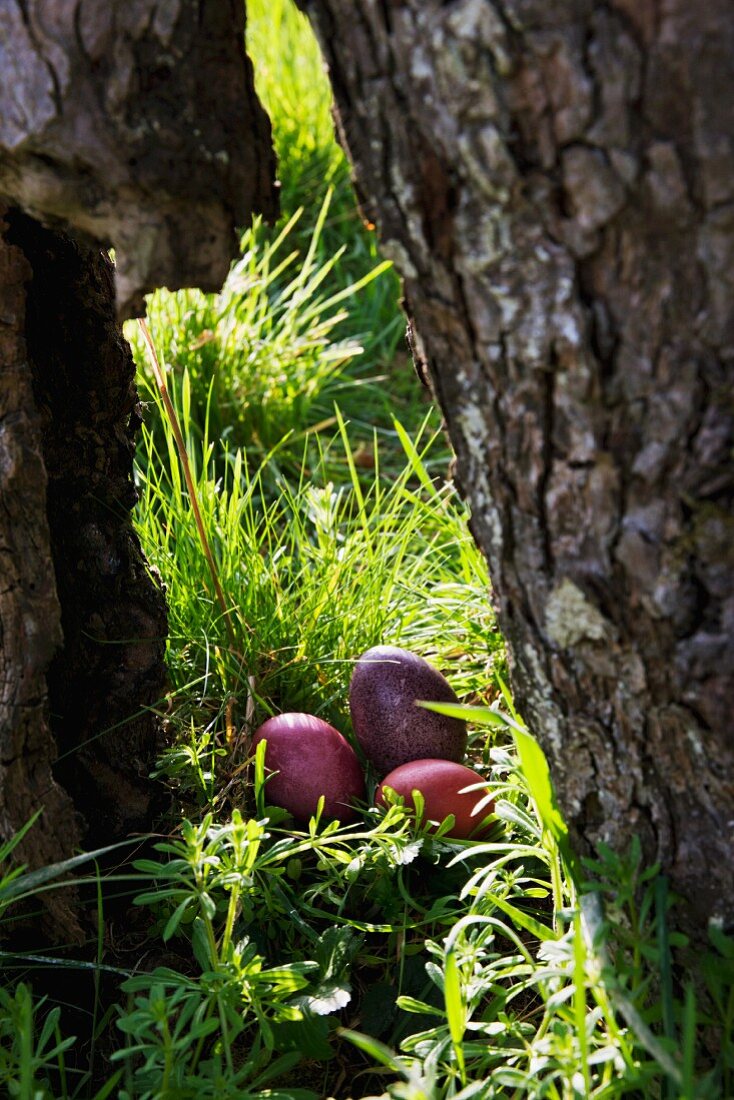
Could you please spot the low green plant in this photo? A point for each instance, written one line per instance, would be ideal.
(183, 1031)
(261, 364)
(462, 955)
(566, 1000)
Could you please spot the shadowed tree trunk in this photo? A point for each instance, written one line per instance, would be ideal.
(83, 625)
(135, 123)
(555, 182)
(126, 124)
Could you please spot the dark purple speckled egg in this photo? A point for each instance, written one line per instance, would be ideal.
(391, 729)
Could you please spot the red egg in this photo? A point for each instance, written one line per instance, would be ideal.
(440, 782)
(308, 758)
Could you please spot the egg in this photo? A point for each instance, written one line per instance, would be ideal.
(307, 758)
(387, 723)
(440, 782)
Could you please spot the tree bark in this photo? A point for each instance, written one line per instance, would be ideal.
(133, 124)
(30, 613)
(83, 624)
(555, 182)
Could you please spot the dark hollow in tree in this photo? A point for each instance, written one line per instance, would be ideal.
(555, 182)
(133, 125)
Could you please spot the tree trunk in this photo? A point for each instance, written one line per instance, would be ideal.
(555, 182)
(83, 623)
(30, 614)
(135, 123)
(126, 124)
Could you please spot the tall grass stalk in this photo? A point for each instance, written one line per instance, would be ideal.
(184, 459)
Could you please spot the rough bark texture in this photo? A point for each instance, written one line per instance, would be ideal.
(136, 124)
(112, 612)
(82, 624)
(30, 614)
(555, 181)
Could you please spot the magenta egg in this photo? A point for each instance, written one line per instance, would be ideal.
(441, 783)
(305, 758)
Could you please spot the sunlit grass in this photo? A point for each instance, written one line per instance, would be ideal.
(314, 572)
(291, 81)
(266, 359)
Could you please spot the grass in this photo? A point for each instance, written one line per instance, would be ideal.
(263, 360)
(313, 573)
(293, 87)
(269, 959)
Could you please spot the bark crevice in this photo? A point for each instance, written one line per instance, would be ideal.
(82, 623)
